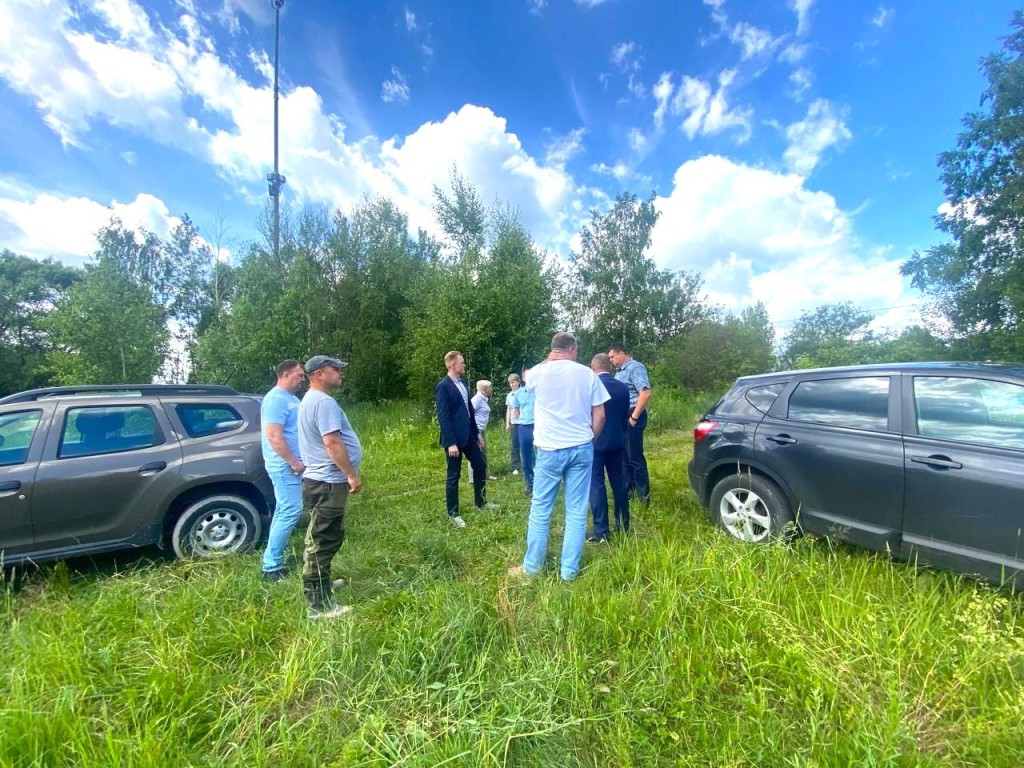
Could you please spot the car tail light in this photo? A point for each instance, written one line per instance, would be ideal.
(703, 429)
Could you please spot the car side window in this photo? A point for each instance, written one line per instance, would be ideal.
(970, 410)
(764, 396)
(202, 419)
(856, 402)
(91, 431)
(16, 433)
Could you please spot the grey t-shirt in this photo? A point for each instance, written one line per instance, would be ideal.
(319, 415)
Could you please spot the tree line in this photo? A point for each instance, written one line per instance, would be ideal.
(361, 286)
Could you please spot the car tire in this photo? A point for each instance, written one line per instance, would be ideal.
(751, 508)
(215, 526)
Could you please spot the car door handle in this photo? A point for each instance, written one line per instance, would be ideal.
(10, 486)
(937, 462)
(781, 439)
(152, 468)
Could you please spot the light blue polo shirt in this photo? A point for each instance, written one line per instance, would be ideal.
(634, 375)
(279, 407)
(523, 399)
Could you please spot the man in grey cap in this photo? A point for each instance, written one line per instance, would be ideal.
(332, 453)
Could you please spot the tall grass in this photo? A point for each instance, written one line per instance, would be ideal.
(676, 646)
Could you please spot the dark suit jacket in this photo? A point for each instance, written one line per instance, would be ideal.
(616, 415)
(457, 424)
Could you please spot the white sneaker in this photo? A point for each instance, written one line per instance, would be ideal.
(458, 522)
(337, 584)
(515, 471)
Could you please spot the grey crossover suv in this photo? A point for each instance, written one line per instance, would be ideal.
(85, 470)
(922, 461)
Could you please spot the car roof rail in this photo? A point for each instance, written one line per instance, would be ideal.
(139, 390)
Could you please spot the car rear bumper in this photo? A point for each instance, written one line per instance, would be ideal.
(696, 480)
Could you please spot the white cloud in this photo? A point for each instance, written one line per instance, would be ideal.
(563, 148)
(622, 56)
(823, 127)
(620, 170)
(662, 93)
(637, 141)
(590, 3)
(802, 8)
(410, 20)
(794, 53)
(708, 113)
(396, 88)
(27, 222)
(758, 235)
(493, 159)
(259, 11)
(802, 79)
(882, 16)
(753, 40)
(536, 7)
(129, 157)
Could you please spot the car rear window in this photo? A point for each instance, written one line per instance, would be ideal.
(203, 419)
(94, 431)
(970, 410)
(856, 402)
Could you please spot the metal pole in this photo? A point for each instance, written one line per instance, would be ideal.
(275, 179)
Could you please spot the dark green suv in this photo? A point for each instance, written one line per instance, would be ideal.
(94, 469)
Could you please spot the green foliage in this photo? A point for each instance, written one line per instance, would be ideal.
(676, 646)
(28, 291)
(111, 327)
(716, 351)
(977, 279)
(496, 306)
(838, 334)
(342, 287)
(614, 291)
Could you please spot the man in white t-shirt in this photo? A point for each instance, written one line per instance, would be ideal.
(568, 415)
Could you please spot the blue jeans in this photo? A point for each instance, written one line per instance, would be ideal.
(526, 453)
(573, 466)
(287, 511)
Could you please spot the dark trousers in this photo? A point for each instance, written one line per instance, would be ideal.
(513, 437)
(638, 482)
(612, 463)
(475, 457)
(326, 504)
(526, 453)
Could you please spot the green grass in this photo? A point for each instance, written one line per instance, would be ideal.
(675, 646)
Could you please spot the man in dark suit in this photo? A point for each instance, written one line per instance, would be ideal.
(459, 436)
(609, 450)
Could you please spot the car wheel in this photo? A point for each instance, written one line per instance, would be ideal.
(216, 525)
(750, 508)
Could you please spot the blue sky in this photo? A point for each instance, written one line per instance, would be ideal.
(791, 143)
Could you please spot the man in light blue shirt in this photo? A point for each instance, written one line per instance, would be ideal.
(633, 374)
(332, 454)
(279, 434)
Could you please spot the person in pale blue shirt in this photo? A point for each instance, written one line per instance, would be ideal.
(522, 402)
(279, 435)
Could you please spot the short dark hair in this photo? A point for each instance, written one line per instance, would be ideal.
(286, 366)
(618, 346)
(563, 341)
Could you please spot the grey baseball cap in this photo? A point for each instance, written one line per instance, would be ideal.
(317, 362)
